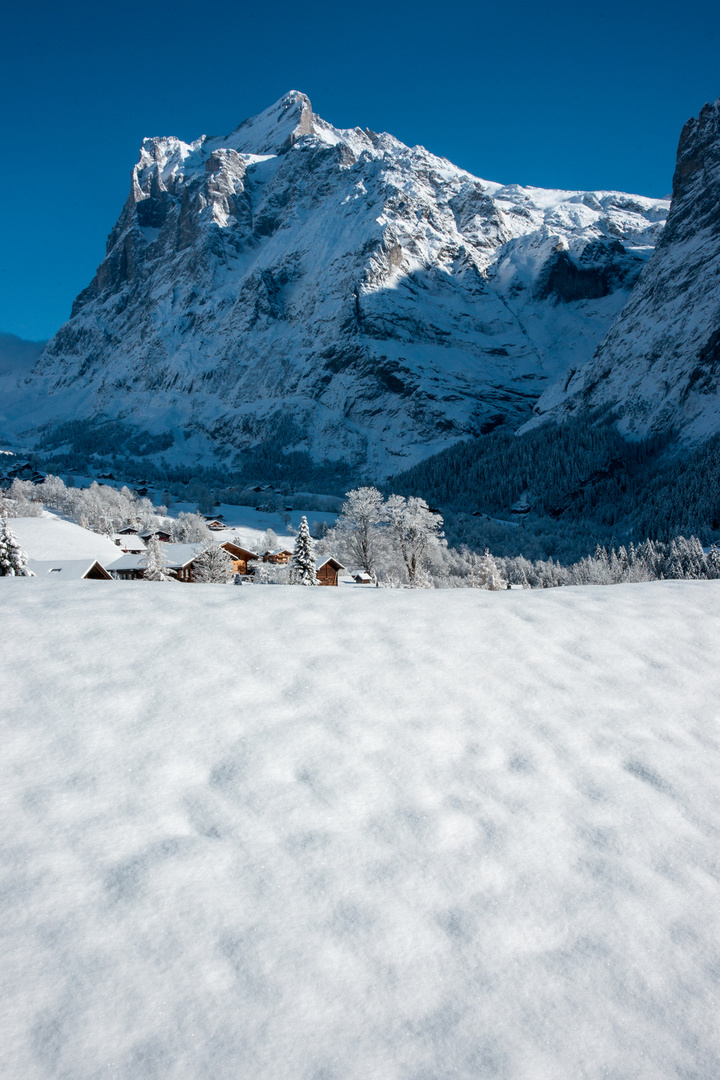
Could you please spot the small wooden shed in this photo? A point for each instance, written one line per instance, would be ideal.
(327, 570)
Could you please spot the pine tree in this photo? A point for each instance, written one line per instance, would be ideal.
(213, 565)
(302, 564)
(13, 560)
(155, 561)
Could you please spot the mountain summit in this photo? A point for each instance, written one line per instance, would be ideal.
(333, 291)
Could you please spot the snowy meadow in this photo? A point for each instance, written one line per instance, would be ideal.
(334, 834)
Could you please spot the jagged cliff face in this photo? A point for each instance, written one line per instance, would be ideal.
(383, 300)
(659, 366)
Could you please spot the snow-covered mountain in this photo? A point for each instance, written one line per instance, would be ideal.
(350, 295)
(659, 366)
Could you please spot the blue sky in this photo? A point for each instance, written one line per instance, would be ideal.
(554, 94)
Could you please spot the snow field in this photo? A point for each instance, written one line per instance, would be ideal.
(339, 834)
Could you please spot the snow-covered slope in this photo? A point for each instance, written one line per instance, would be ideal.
(275, 833)
(349, 294)
(659, 367)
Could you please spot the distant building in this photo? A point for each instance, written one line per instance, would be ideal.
(278, 557)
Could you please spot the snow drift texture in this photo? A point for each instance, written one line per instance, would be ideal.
(279, 833)
(659, 367)
(358, 298)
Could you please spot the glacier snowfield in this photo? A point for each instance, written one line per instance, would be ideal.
(285, 834)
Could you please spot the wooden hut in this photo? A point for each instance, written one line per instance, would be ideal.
(327, 570)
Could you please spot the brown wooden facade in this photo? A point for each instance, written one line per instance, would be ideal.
(327, 572)
(277, 558)
(241, 557)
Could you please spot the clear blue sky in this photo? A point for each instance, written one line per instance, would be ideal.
(574, 95)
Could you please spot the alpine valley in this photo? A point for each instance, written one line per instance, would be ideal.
(332, 293)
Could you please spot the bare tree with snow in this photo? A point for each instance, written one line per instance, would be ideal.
(213, 565)
(415, 532)
(359, 534)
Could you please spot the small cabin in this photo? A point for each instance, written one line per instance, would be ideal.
(240, 556)
(362, 579)
(278, 557)
(327, 571)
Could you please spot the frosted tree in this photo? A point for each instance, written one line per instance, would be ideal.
(485, 573)
(190, 529)
(302, 564)
(213, 565)
(359, 530)
(13, 560)
(155, 563)
(415, 532)
(269, 541)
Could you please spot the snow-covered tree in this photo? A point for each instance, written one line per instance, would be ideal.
(269, 541)
(415, 532)
(302, 564)
(155, 562)
(190, 529)
(359, 534)
(485, 573)
(213, 565)
(271, 574)
(13, 560)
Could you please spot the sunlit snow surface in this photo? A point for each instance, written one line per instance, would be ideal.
(326, 834)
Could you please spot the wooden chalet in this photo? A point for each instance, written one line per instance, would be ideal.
(215, 524)
(327, 570)
(278, 557)
(362, 578)
(160, 534)
(241, 557)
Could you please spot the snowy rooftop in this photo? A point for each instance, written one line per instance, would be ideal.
(44, 538)
(63, 569)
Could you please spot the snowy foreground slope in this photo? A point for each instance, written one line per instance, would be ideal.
(284, 833)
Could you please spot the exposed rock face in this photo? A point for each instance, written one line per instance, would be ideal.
(659, 366)
(383, 299)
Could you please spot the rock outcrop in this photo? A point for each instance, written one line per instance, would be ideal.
(658, 369)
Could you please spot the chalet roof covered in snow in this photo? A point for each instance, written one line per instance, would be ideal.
(47, 538)
(68, 569)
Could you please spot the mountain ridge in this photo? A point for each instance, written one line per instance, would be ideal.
(372, 299)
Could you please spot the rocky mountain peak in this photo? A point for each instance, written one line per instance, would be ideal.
(336, 293)
(658, 369)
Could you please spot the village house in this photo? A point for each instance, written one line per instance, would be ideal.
(327, 570)
(241, 557)
(64, 551)
(278, 557)
(178, 562)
